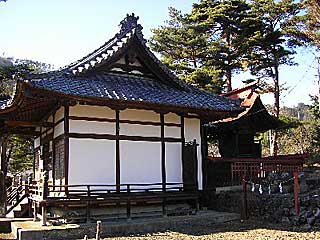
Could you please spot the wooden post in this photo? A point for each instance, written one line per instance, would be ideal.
(244, 199)
(128, 203)
(34, 210)
(3, 195)
(164, 207)
(44, 214)
(88, 213)
(296, 192)
(98, 230)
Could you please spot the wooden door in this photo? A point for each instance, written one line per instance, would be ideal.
(190, 166)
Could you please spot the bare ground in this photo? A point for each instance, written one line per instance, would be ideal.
(250, 230)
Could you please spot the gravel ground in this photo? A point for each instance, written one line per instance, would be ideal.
(251, 230)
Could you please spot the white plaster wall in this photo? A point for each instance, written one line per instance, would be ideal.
(92, 161)
(174, 163)
(172, 118)
(192, 131)
(58, 130)
(92, 111)
(37, 142)
(139, 130)
(172, 132)
(80, 126)
(59, 114)
(139, 115)
(140, 162)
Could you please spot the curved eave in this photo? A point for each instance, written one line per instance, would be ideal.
(255, 117)
(16, 99)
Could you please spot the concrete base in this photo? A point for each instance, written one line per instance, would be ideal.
(32, 230)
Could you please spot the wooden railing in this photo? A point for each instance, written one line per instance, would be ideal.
(230, 171)
(15, 194)
(90, 196)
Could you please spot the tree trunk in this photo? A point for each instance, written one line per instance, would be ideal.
(228, 70)
(276, 108)
(228, 80)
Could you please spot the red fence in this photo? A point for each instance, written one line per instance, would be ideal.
(229, 171)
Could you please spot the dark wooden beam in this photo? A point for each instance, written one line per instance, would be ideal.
(53, 150)
(12, 123)
(163, 154)
(66, 143)
(146, 123)
(118, 150)
(122, 137)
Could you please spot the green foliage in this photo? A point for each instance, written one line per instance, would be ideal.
(19, 148)
(307, 25)
(232, 28)
(184, 49)
(314, 149)
(20, 152)
(295, 134)
(10, 69)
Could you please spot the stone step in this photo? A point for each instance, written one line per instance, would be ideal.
(7, 236)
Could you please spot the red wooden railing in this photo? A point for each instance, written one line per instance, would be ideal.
(230, 171)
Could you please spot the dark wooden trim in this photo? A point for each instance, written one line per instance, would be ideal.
(41, 136)
(93, 119)
(13, 123)
(183, 140)
(122, 137)
(150, 123)
(118, 150)
(204, 155)
(163, 154)
(53, 151)
(59, 137)
(59, 121)
(92, 136)
(66, 144)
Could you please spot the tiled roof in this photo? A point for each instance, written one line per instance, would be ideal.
(121, 86)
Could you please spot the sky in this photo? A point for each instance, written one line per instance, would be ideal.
(59, 32)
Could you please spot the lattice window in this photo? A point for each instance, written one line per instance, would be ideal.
(37, 158)
(59, 159)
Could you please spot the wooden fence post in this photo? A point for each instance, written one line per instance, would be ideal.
(3, 195)
(244, 199)
(98, 230)
(296, 192)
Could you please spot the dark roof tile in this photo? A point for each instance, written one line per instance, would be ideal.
(135, 88)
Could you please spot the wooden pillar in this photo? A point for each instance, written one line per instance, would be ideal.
(244, 199)
(118, 150)
(204, 154)
(183, 143)
(53, 152)
(163, 155)
(296, 192)
(44, 214)
(3, 195)
(66, 144)
(4, 166)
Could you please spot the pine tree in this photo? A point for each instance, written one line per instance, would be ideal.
(184, 49)
(232, 28)
(276, 45)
